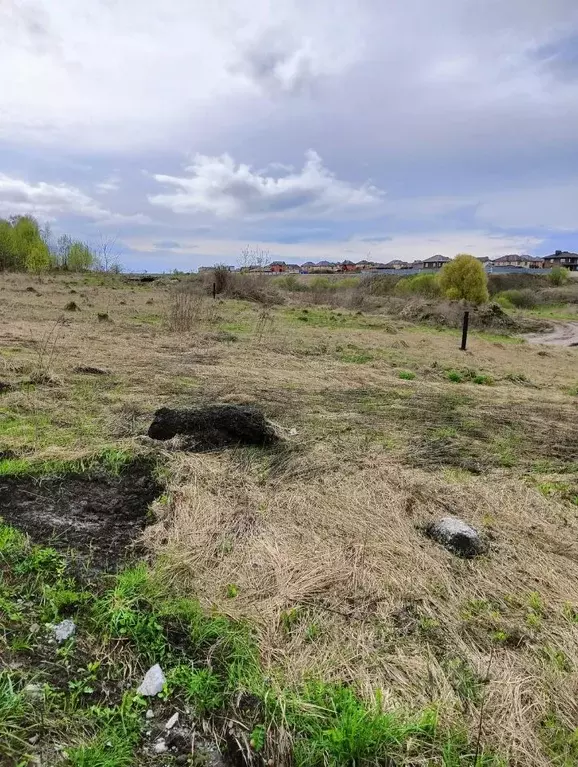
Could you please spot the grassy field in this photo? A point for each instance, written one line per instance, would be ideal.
(298, 612)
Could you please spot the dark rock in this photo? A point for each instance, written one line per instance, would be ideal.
(214, 427)
(457, 536)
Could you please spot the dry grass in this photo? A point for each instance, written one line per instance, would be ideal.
(321, 541)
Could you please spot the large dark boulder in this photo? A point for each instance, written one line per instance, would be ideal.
(214, 427)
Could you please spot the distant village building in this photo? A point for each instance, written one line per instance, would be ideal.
(515, 260)
(397, 264)
(562, 258)
(348, 266)
(436, 262)
(278, 266)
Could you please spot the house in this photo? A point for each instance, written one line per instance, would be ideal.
(397, 264)
(562, 258)
(435, 262)
(292, 268)
(364, 266)
(483, 259)
(347, 266)
(324, 266)
(515, 260)
(277, 267)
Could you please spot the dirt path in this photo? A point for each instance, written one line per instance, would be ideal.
(563, 334)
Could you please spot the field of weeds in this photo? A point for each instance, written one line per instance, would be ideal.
(298, 612)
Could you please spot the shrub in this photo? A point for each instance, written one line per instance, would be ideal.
(420, 284)
(381, 284)
(406, 375)
(291, 283)
(322, 284)
(221, 278)
(184, 310)
(522, 299)
(454, 376)
(558, 276)
(465, 278)
(497, 283)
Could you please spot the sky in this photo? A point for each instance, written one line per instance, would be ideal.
(187, 131)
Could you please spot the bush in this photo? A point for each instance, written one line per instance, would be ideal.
(421, 284)
(522, 299)
(465, 278)
(558, 276)
(380, 285)
(221, 278)
(498, 283)
(291, 283)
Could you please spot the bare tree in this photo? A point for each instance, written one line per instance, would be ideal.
(107, 255)
(254, 257)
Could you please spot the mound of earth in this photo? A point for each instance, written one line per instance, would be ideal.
(100, 515)
(450, 314)
(214, 427)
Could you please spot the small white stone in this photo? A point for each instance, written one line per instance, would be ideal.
(64, 630)
(172, 721)
(34, 628)
(150, 714)
(34, 740)
(160, 747)
(153, 682)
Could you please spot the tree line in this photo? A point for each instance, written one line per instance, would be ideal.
(25, 246)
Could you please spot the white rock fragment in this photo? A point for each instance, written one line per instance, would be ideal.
(153, 682)
(172, 721)
(64, 630)
(160, 747)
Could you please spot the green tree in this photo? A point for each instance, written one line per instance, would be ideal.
(8, 256)
(558, 276)
(38, 259)
(465, 277)
(80, 257)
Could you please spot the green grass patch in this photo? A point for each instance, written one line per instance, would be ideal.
(406, 375)
(110, 460)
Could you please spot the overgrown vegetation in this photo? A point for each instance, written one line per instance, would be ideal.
(26, 247)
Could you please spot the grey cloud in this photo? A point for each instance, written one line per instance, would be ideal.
(274, 62)
(218, 186)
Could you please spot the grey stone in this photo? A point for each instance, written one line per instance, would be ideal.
(172, 721)
(153, 682)
(457, 536)
(34, 628)
(64, 630)
(160, 747)
(34, 740)
(150, 714)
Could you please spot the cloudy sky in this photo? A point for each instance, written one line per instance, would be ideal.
(313, 129)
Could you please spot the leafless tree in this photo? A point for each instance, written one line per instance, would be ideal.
(253, 256)
(107, 254)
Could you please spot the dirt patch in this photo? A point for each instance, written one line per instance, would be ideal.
(562, 334)
(99, 515)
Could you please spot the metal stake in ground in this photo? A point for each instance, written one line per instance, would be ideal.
(465, 331)
(214, 290)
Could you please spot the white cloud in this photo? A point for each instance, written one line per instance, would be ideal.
(48, 201)
(217, 185)
(110, 184)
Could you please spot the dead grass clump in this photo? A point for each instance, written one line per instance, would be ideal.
(72, 306)
(326, 568)
(188, 310)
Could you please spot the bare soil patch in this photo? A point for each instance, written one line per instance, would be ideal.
(101, 515)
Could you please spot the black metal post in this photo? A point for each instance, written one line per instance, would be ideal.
(465, 331)
(214, 290)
